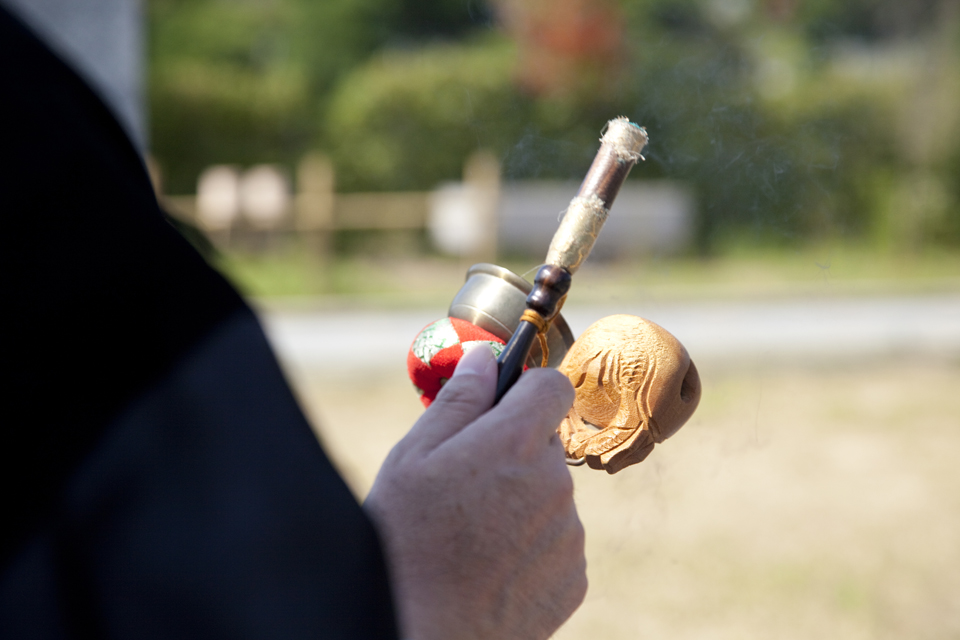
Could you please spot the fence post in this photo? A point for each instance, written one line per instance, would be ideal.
(314, 208)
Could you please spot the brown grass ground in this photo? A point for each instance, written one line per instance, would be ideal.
(797, 503)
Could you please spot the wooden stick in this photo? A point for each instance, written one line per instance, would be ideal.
(620, 149)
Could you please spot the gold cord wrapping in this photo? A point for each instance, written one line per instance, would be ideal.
(542, 324)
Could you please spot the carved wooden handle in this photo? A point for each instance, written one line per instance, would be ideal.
(636, 386)
(620, 149)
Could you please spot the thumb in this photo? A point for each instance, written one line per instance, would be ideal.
(465, 397)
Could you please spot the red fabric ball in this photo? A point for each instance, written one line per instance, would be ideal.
(438, 348)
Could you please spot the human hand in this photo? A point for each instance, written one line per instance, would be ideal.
(475, 506)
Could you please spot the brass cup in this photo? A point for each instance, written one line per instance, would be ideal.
(493, 298)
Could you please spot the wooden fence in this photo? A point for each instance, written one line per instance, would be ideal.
(473, 219)
(315, 210)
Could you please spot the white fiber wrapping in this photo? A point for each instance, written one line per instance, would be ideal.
(625, 139)
(578, 231)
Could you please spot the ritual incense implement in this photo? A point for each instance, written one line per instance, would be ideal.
(620, 149)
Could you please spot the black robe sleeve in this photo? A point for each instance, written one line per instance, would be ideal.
(157, 476)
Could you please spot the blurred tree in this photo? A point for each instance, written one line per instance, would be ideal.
(794, 121)
(224, 86)
(244, 81)
(864, 19)
(444, 19)
(565, 46)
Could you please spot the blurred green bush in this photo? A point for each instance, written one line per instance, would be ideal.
(407, 119)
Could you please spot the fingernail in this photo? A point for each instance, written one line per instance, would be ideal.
(476, 360)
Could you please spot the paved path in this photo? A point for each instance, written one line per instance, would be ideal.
(833, 329)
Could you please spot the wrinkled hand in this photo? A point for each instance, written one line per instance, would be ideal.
(476, 509)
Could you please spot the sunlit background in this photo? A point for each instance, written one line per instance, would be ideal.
(796, 223)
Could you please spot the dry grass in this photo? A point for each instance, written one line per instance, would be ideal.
(797, 503)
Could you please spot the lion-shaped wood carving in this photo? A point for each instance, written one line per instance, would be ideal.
(635, 387)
